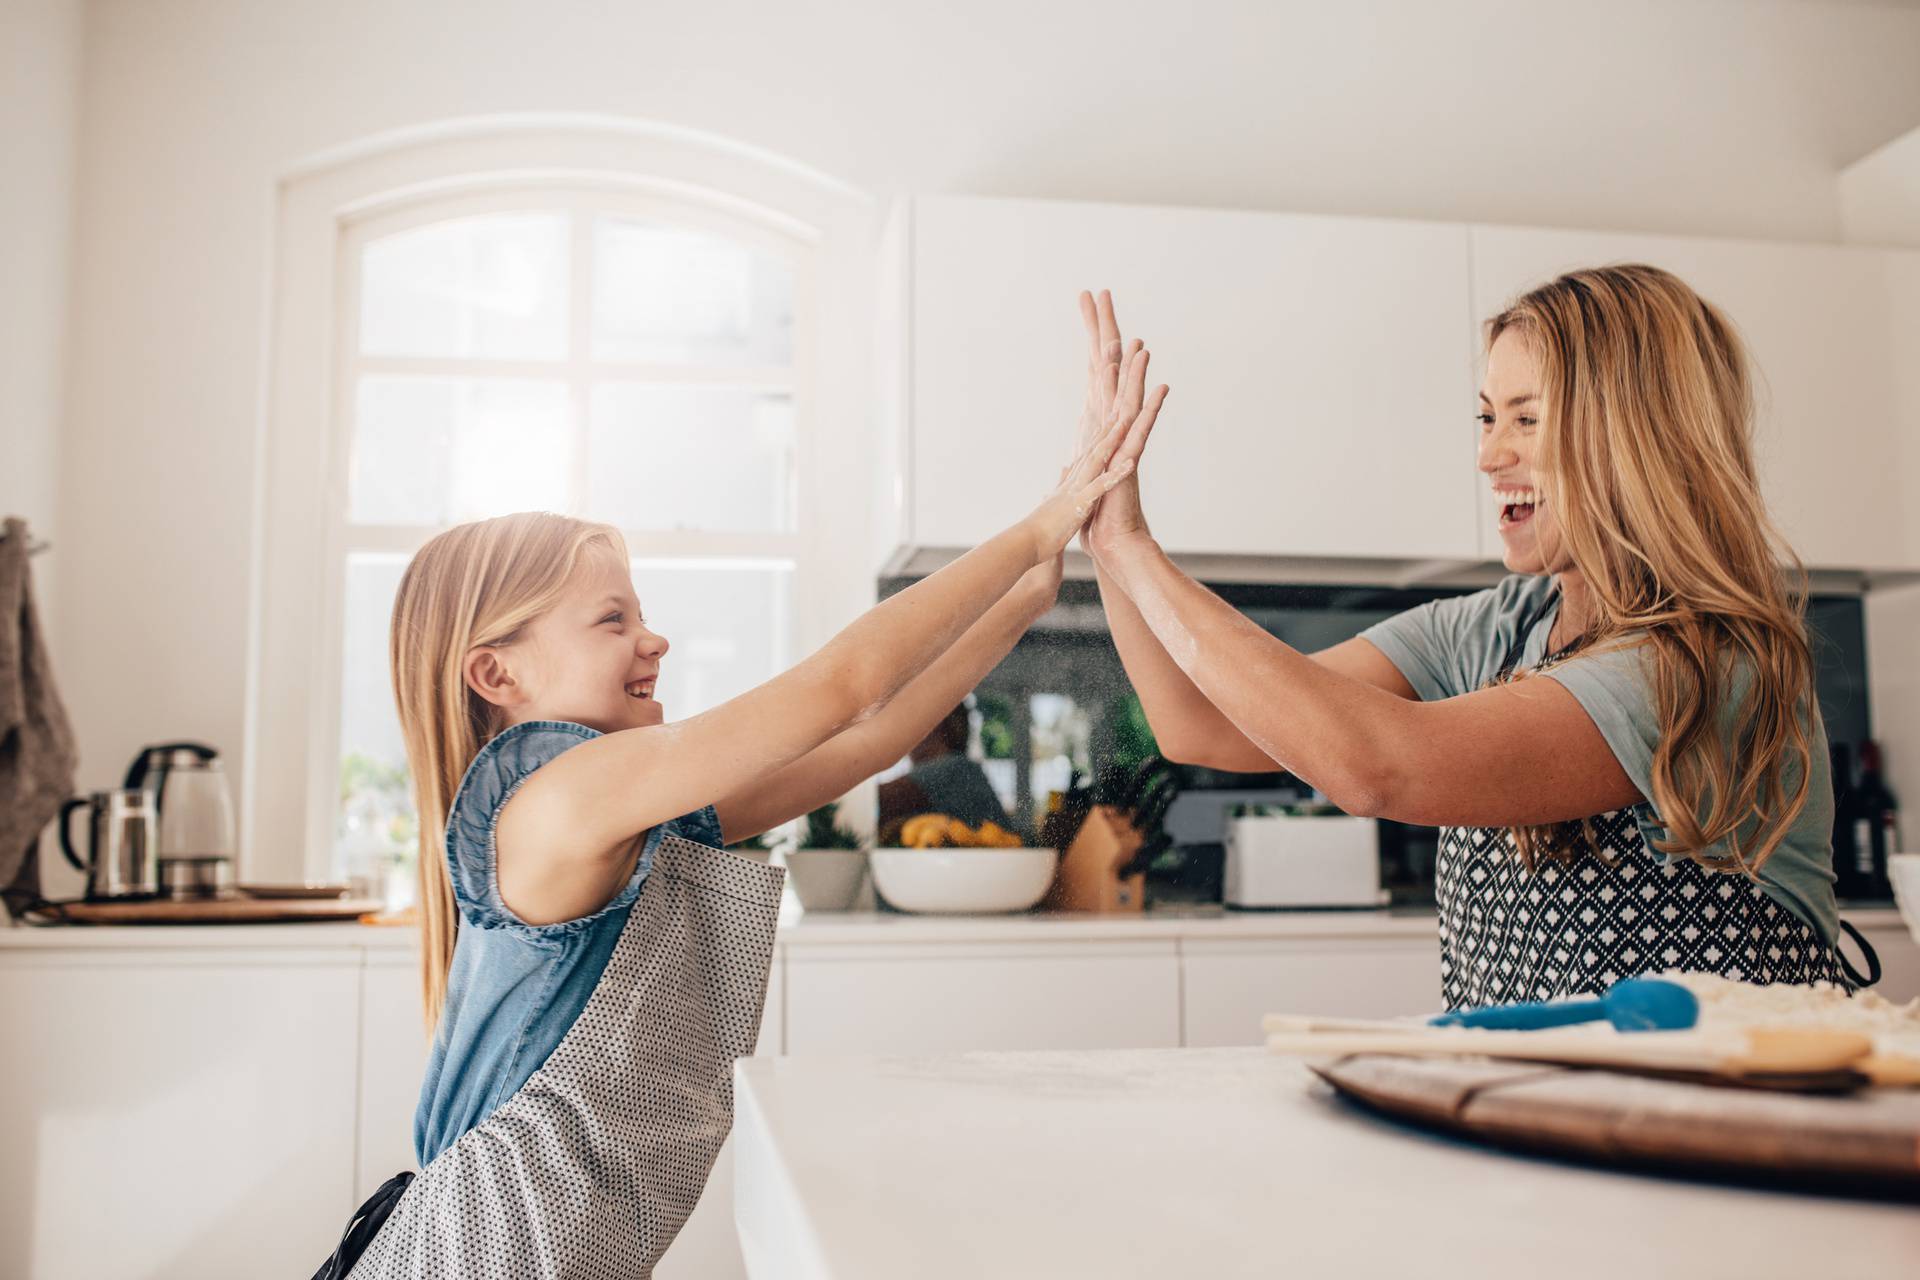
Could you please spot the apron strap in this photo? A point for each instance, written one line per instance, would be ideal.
(1854, 976)
(363, 1227)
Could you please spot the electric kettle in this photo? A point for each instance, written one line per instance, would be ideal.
(195, 811)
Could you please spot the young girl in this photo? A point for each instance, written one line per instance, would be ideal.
(593, 962)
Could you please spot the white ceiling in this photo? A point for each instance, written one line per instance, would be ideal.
(1727, 116)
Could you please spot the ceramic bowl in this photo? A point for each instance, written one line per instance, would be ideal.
(1904, 870)
(963, 881)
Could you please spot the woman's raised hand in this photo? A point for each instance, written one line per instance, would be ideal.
(1116, 396)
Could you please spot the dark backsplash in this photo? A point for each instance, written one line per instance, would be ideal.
(1070, 655)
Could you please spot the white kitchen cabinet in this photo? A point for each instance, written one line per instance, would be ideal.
(1322, 399)
(168, 1113)
(879, 998)
(1903, 428)
(1831, 332)
(1230, 984)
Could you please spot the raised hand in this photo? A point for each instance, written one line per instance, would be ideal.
(1091, 475)
(1116, 394)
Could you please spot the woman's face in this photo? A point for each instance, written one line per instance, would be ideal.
(590, 659)
(1509, 436)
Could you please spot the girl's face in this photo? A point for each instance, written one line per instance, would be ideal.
(590, 659)
(1509, 436)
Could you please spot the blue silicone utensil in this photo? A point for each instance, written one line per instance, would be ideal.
(1632, 1004)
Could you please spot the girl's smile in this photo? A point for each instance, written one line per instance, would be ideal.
(591, 658)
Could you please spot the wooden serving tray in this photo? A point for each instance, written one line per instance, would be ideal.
(240, 910)
(1868, 1140)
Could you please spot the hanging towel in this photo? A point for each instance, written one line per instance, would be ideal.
(37, 754)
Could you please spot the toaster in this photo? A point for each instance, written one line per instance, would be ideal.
(1284, 860)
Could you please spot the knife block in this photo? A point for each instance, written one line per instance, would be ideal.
(1087, 878)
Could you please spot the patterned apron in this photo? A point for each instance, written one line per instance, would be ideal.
(589, 1170)
(1614, 909)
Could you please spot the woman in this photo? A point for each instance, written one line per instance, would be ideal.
(1621, 740)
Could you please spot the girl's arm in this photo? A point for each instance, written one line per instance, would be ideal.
(830, 770)
(568, 838)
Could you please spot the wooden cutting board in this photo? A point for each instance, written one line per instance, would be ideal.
(214, 911)
(1867, 1140)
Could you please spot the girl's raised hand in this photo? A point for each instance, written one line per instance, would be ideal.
(1091, 475)
(1116, 394)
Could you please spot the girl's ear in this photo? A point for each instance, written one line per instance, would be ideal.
(487, 675)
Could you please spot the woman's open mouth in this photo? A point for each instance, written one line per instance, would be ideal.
(641, 690)
(1516, 506)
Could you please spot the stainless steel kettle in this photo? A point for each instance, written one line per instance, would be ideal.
(121, 844)
(195, 812)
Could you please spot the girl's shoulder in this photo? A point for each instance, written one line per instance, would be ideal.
(503, 763)
(497, 771)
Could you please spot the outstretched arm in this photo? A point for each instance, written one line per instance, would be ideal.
(830, 770)
(1187, 725)
(568, 838)
(1524, 752)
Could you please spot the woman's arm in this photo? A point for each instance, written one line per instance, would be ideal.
(829, 770)
(1524, 752)
(1186, 725)
(568, 837)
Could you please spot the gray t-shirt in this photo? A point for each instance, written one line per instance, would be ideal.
(1454, 646)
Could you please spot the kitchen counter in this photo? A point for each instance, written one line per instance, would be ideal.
(797, 929)
(826, 929)
(1216, 1163)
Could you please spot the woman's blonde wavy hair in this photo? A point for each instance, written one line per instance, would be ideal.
(476, 584)
(1646, 458)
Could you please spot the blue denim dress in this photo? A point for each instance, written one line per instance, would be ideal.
(514, 988)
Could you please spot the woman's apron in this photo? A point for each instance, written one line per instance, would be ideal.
(592, 1166)
(1614, 909)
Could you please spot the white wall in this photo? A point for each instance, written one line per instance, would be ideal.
(1880, 194)
(40, 73)
(39, 106)
(1725, 116)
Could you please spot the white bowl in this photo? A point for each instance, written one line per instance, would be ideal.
(826, 879)
(963, 880)
(1904, 870)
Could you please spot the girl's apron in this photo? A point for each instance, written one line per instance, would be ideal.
(1612, 910)
(589, 1170)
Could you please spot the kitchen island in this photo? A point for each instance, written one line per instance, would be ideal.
(1213, 1163)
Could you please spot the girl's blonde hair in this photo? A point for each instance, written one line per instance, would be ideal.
(1646, 458)
(475, 584)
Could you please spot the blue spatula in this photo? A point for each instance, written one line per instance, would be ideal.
(1632, 1004)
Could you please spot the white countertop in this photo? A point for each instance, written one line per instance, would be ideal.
(1212, 1163)
(797, 929)
(1201, 924)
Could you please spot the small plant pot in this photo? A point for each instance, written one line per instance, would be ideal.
(826, 879)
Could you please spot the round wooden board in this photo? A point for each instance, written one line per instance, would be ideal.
(1863, 1141)
(214, 911)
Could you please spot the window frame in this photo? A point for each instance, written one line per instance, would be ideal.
(581, 207)
(289, 770)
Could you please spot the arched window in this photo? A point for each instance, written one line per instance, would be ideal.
(617, 357)
(494, 335)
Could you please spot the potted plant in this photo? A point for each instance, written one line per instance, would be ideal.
(828, 864)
